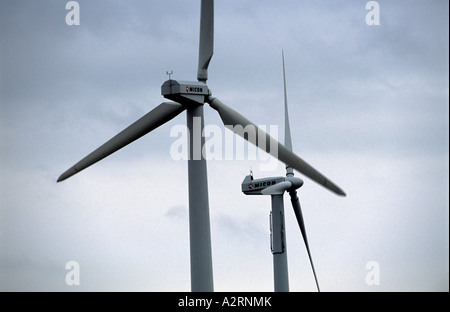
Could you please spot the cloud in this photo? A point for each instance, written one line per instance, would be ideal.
(177, 212)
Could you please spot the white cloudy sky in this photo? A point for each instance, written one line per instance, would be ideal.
(369, 108)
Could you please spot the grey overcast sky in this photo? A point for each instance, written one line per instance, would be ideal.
(369, 108)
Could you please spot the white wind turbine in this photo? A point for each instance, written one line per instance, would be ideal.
(276, 187)
(191, 96)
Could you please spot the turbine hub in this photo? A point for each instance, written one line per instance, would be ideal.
(296, 182)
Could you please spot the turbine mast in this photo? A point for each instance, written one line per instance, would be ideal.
(199, 219)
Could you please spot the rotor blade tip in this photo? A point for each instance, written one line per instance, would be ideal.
(334, 188)
(67, 174)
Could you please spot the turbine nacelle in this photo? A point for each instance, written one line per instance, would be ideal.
(185, 92)
(269, 186)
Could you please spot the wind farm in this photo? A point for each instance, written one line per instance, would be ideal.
(368, 107)
(191, 96)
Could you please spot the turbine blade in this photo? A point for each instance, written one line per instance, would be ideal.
(298, 214)
(152, 120)
(287, 128)
(206, 46)
(277, 189)
(231, 119)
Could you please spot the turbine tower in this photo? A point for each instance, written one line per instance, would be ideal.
(275, 187)
(191, 96)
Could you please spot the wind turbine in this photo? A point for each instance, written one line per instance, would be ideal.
(191, 96)
(276, 186)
